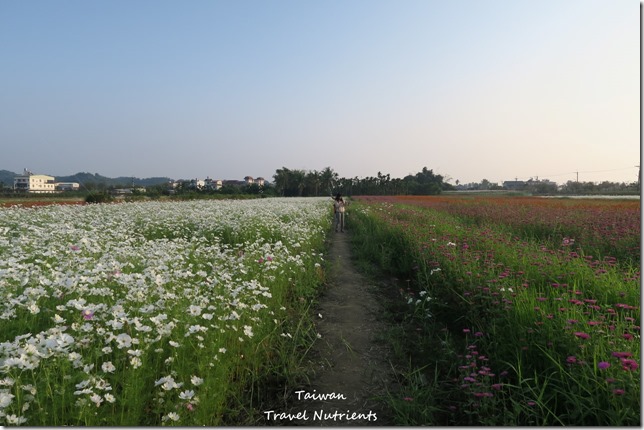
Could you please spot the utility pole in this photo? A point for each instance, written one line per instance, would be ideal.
(639, 177)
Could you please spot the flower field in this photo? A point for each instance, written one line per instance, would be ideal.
(153, 313)
(520, 311)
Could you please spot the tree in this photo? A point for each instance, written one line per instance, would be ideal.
(328, 179)
(298, 181)
(281, 179)
(313, 181)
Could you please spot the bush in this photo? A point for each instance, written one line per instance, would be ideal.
(98, 198)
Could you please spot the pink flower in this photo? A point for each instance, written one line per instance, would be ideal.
(408, 399)
(627, 336)
(618, 391)
(628, 364)
(497, 387)
(483, 394)
(571, 359)
(621, 354)
(87, 314)
(603, 365)
(582, 335)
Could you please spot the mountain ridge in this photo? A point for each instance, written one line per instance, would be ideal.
(7, 177)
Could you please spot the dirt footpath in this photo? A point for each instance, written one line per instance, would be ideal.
(350, 365)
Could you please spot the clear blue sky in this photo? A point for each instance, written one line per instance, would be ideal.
(472, 89)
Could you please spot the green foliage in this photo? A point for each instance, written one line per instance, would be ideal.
(103, 197)
(499, 331)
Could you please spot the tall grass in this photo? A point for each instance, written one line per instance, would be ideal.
(176, 313)
(536, 330)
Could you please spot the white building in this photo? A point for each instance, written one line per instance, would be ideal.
(67, 186)
(32, 183)
(250, 181)
(213, 184)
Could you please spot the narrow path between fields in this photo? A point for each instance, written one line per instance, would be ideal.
(350, 363)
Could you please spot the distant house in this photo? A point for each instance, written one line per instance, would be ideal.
(257, 181)
(217, 184)
(514, 185)
(530, 185)
(32, 183)
(213, 184)
(197, 184)
(127, 191)
(67, 186)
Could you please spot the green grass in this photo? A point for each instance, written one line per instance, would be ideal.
(522, 306)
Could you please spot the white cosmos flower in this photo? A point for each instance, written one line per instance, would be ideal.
(168, 383)
(136, 362)
(5, 399)
(13, 419)
(7, 382)
(172, 416)
(83, 384)
(108, 367)
(196, 381)
(123, 340)
(248, 331)
(96, 399)
(186, 395)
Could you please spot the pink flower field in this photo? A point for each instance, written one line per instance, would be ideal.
(535, 305)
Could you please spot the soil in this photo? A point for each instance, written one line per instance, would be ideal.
(36, 203)
(350, 369)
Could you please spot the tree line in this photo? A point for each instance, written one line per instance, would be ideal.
(298, 182)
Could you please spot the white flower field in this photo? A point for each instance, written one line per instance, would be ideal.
(151, 313)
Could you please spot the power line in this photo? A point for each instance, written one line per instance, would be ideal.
(577, 172)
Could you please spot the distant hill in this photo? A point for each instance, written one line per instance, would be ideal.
(124, 181)
(7, 177)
